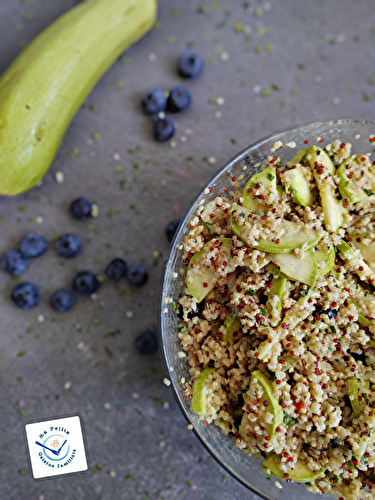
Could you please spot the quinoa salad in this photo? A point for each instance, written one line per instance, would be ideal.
(276, 317)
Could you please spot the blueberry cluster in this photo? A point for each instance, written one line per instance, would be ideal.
(179, 99)
(26, 295)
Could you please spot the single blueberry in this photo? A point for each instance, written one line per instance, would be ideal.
(163, 129)
(329, 312)
(62, 300)
(68, 245)
(86, 283)
(14, 263)
(137, 275)
(190, 64)
(198, 312)
(25, 296)
(146, 342)
(179, 100)
(154, 101)
(32, 245)
(81, 208)
(116, 269)
(172, 228)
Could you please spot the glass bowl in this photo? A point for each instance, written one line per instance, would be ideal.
(246, 469)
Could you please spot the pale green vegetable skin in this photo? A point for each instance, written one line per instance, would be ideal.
(45, 86)
(293, 236)
(300, 474)
(199, 399)
(273, 405)
(232, 324)
(353, 388)
(195, 281)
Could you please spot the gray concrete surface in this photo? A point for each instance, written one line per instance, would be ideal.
(301, 62)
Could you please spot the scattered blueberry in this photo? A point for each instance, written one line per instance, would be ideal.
(81, 208)
(68, 245)
(25, 296)
(146, 342)
(137, 275)
(116, 269)
(179, 100)
(154, 101)
(14, 263)
(86, 283)
(190, 64)
(172, 228)
(32, 245)
(62, 300)
(163, 129)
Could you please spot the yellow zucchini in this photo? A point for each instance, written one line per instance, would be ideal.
(44, 87)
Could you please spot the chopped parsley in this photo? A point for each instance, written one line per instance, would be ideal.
(271, 177)
(272, 374)
(289, 421)
(369, 192)
(208, 227)
(250, 292)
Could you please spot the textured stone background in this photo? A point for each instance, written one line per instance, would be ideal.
(302, 62)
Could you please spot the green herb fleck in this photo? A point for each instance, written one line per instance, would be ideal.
(21, 354)
(289, 421)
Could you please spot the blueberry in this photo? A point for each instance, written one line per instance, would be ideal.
(146, 342)
(14, 263)
(191, 313)
(154, 101)
(86, 283)
(62, 300)
(116, 269)
(25, 296)
(171, 229)
(32, 245)
(190, 64)
(137, 275)
(163, 129)
(329, 312)
(68, 245)
(179, 100)
(81, 208)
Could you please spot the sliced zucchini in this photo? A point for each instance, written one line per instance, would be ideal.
(200, 278)
(300, 187)
(353, 388)
(362, 320)
(365, 273)
(298, 157)
(274, 306)
(302, 269)
(273, 405)
(199, 401)
(316, 154)
(232, 324)
(364, 441)
(293, 235)
(332, 208)
(267, 179)
(367, 251)
(357, 188)
(300, 474)
(326, 261)
(275, 270)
